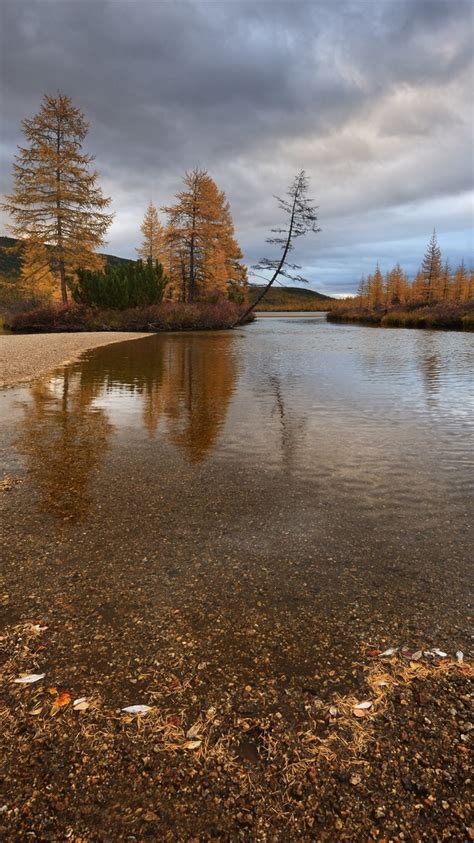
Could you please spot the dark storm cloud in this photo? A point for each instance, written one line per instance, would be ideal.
(371, 98)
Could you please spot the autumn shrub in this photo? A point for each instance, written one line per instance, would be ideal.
(167, 316)
(447, 315)
(49, 318)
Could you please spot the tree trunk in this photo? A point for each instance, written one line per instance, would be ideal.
(62, 268)
(277, 270)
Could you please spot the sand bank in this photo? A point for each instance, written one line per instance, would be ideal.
(24, 357)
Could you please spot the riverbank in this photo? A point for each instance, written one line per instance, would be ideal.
(456, 316)
(213, 315)
(26, 357)
(373, 764)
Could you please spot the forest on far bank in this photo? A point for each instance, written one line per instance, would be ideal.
(437, 297)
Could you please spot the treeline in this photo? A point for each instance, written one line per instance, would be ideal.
(59, 215)
(436, 298)
(434, 282)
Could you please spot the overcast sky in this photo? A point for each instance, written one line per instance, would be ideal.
(370, 97)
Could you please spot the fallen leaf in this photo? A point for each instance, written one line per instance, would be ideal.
(29, 678)
(150, 817)
(36, 711)
(459, 656)
(356, 779)
(359, 712)
(365, 704)
(81, 705)
(194, 731)
(333, 710)
(415, 665)
(390, 652)
(137, 709)
(192, 744)
(64, 698)
(436, 652)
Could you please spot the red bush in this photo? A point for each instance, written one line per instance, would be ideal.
(167, 316)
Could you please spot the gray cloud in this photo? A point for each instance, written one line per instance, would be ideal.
(371, 98)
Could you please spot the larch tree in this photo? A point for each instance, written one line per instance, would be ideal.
(460, 283)
(377, 288)
(432, 269)
(301, 218)
(56, 201)
(202, 253)
(395, 285)
(153, 243)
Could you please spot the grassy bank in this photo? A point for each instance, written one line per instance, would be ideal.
(444, 315)
(167, 316)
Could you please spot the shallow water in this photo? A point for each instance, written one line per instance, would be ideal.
(308, 482)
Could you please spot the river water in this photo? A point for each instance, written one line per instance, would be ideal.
(265, 502)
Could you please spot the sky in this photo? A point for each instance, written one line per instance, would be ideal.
(372, 98)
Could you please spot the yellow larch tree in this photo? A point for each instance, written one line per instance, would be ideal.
(153, 243)
(203, 255)
(395, 288)
(460, 283)
(56, 200)
(376, 296)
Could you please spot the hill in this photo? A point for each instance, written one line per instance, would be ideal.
(10, 258)
(278, 298)
(290, 298)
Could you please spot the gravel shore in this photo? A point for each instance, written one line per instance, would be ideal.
(24, 357)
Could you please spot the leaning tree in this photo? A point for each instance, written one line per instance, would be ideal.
(302, 217)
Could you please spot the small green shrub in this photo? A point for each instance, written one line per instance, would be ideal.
(134, 284)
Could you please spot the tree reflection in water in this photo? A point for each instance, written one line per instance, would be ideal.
(63, 438)
(184, 383)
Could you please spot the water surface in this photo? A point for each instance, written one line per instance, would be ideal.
(286, 493)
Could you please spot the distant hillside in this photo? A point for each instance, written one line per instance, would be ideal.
(278, 298)
(290, 298)
(10, 259)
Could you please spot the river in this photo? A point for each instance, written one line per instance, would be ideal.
(263, 503)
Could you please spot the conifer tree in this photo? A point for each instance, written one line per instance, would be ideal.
(376, 288)
(153, 243)
(460, 283)
(432, 269)
(418, 288)
(203, 255)
(395, 285)
(56, 200)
